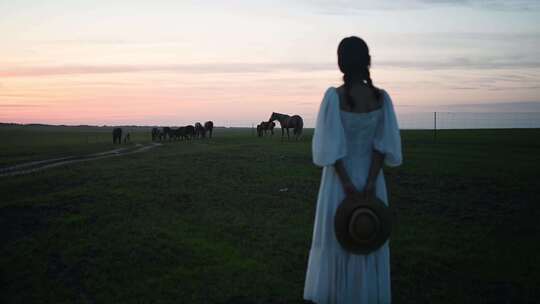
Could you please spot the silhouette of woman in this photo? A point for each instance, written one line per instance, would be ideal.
(355, 133)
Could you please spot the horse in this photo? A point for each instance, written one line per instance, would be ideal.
(189, 132)
(166, 132)
(200, 132)
(268, 126)
(117, 135)
(259, 130)
(209, 127)
(295, 122)
(127, 138)
(155, 134)
(180, 133)
(173, 135)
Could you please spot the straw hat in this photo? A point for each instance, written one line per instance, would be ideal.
(362, 224)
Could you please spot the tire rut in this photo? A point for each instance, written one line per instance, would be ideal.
(41, 165)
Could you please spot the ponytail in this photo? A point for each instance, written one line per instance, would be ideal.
(376, 91)
(347, 84)
(364, 77)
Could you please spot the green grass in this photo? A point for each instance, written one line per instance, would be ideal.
(20, 143)
(206, 222)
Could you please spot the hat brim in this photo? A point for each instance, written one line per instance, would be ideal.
(343, 216)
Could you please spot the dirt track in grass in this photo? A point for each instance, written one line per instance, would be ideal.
(35, 166)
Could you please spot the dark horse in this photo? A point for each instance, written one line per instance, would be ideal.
(209, 127)
(155, 134)
(189, 132)
(200, 132)
(287, 122)
(179, 133)
(264, 127)
(127, 138)
(165, 133)
(117, 135)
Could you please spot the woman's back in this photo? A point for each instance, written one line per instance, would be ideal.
(359, 131)
(359, 98)
(360, 114)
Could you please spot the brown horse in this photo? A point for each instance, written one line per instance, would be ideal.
(209, 127)
(200, 132)
(264, 127)
(189, 132)
(287, 122)
(155, 134)
(117, 135)
(127, 138)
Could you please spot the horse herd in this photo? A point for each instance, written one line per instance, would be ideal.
(295, 122)
(184, 133)
(167, 133)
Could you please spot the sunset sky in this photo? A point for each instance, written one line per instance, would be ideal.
(234, 62)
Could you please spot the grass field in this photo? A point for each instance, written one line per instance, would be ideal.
(210, 222)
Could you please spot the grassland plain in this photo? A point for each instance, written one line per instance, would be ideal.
(229, 220)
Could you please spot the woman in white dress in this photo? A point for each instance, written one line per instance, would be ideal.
(355, 134)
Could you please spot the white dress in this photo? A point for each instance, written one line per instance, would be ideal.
(333, 274)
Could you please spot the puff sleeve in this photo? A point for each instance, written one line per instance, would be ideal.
(387, 137)
(328, 143)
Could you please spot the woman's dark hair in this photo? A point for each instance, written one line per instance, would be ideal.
(354, 61)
